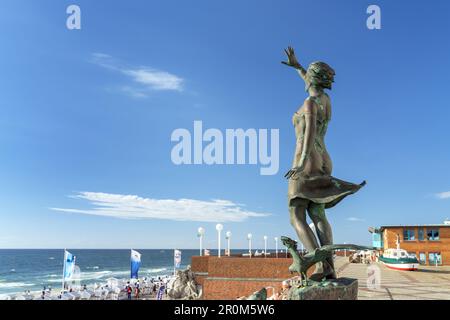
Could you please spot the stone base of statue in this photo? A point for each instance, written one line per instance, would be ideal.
(183, 286)
(335, 289)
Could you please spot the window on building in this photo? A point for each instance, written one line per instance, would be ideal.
(421, 234)
(434, 258)
(422, 258)
(408, 234)
(433, 234)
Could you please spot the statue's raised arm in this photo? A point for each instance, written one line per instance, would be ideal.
(293, 62)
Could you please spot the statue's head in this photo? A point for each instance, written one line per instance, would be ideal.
(319, 75)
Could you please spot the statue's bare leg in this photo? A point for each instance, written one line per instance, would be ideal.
(297, 210)
(323, 229)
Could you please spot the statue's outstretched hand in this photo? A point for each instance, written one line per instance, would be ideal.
(292, 59)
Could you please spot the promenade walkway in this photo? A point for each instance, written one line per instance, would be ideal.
(427, 283)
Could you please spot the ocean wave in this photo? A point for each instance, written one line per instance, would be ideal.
(104, 274)
(7, 285)
(86, 276)
(156, 270)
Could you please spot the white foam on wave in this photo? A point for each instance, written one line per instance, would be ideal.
(84, 276)
(156, 270)
(104, 274)
(90, 276)
(7, 285)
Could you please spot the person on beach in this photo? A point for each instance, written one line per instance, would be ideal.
(128, 290)
(137, 290)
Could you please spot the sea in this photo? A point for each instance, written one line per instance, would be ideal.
(22, 270)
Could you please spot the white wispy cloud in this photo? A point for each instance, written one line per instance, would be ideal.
(443, 195)
(143, 79)
(355, 219)
(135, 207)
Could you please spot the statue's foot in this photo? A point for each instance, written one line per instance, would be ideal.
(323, 271)
(329, 271)
(318, 273)
(330, 275)
(317, 277)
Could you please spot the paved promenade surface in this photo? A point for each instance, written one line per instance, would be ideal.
(427, 283)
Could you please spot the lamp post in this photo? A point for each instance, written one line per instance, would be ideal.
(249, 238)
(265, 246)
(200, 233)
(228, 237)
(219, 228)
(276, 247)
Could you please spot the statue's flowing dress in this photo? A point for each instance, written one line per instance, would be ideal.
(315, 182)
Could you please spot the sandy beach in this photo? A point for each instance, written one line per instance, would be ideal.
(111, 290)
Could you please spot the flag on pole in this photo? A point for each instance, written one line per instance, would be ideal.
(69, 265)
(135, 264)
(177, 258)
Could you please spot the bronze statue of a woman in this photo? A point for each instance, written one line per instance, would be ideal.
(312, 189)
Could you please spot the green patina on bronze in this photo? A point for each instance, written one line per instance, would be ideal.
(311, 187)
(301, 264)
(259, 295)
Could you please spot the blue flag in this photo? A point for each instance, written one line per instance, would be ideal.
(160, 294)
(69, 265)
(135, 264)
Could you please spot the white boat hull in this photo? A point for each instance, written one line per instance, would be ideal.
(402, 266)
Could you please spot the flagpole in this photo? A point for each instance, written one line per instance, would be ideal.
(64, 269)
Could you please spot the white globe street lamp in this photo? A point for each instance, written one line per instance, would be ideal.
(228, 237)
(219, 229)
(276, 247)
(200, 233)
(265, 246)
(249, 238)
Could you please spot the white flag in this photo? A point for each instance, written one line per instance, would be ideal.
(177, 258)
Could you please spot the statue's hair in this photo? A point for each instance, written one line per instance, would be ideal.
(320, 74)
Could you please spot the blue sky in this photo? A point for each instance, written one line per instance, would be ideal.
(86, 116)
